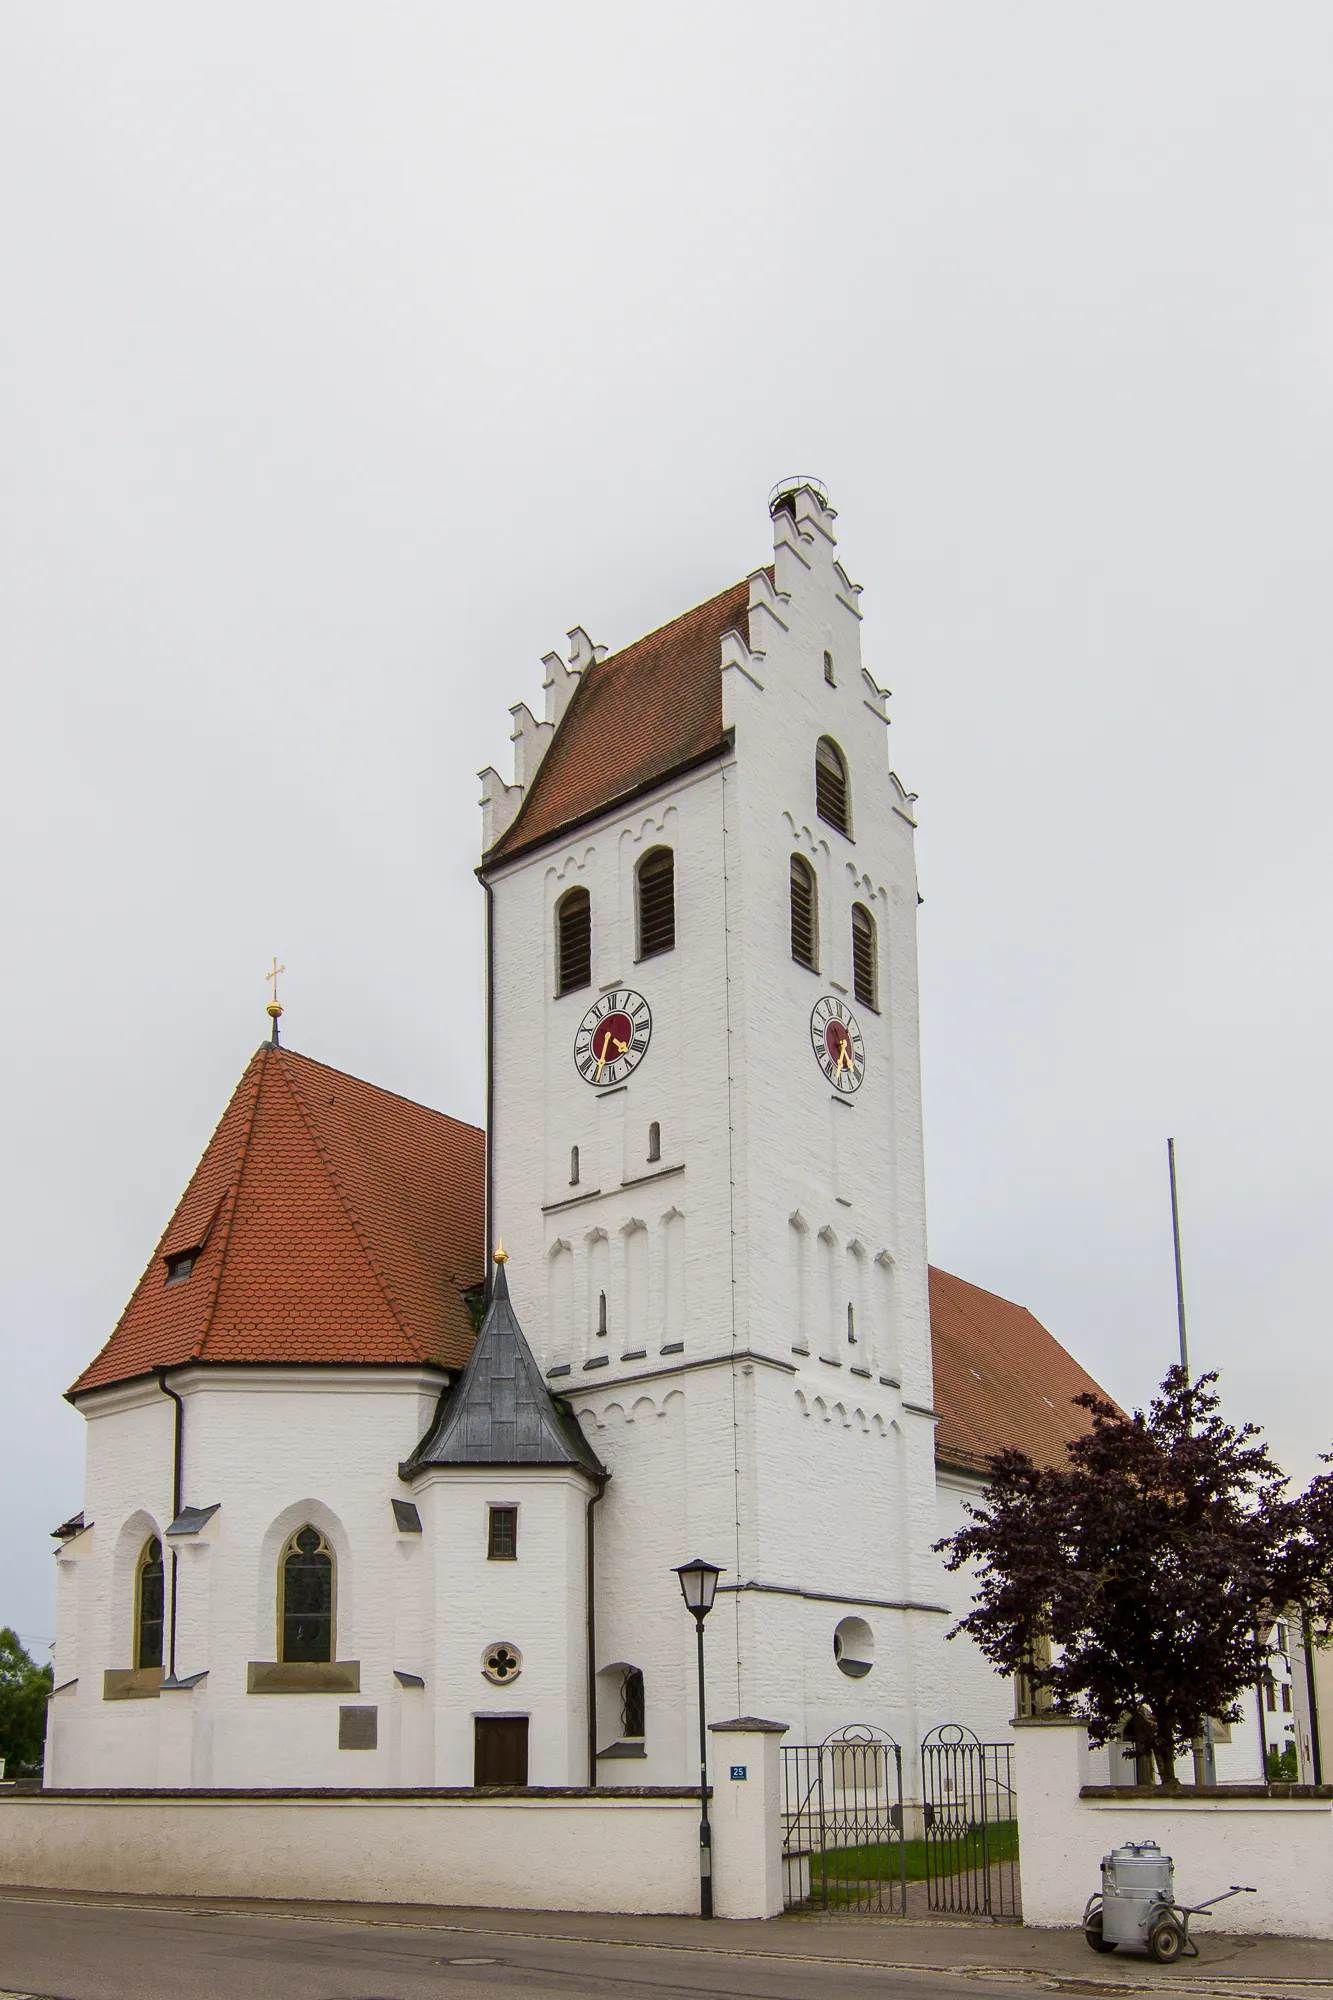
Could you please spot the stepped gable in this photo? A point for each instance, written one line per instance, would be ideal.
(633, 718)
(332, 1222)
(501, 1412)
(1001, 1379)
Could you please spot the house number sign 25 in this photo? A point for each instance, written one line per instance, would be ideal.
(738, 1771)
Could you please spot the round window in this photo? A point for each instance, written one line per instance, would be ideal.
(502, 1663)
(854, 1647)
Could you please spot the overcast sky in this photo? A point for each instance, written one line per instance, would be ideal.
(349, 354)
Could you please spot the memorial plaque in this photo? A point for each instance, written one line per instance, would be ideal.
(358, 1728)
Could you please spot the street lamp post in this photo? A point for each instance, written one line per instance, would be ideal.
(698, 1586)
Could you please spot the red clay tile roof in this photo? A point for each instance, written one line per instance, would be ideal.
(335, 1222)
(632, 718)
(1000, 1378)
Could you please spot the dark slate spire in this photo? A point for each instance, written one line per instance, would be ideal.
(500, 1412)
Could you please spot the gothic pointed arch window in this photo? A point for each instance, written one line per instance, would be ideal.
(573, 941)
(305, 1598)
(149, 1604)
(804, 914)
(656, 875)
(833, 792)
(865, 957)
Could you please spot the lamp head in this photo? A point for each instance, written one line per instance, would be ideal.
(698, 1585)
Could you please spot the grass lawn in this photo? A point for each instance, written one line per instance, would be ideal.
(880, 1862)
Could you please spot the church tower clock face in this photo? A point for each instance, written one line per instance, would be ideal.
(613, 1037)
(835, 1035)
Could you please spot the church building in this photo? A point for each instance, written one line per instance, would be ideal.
(395, 1450)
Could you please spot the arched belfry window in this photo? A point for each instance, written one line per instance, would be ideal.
(149, 1600)
(865, 967)
(657, 902)
(833, 796)
(305, 1587)
(573, 941)
(804, 914)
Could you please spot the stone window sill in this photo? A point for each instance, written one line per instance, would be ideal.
(131, 1683)
(303, 1677)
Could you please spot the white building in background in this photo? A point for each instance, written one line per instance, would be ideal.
(326, 1539)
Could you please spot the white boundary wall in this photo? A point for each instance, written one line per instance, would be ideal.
(623, 1851)
(1281, 1846)
(639, 1855)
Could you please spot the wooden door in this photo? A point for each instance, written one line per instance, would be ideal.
(501, 1750)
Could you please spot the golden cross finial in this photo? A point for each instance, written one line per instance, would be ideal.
(274, 1010)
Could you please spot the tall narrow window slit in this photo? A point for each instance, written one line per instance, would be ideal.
(865, 970)
(573, 941)
(832, 791)
(804, 914)
(657, 902)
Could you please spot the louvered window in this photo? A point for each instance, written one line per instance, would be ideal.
(804, 914)
(865, 983)
(832, 795)
(573, 942)
(657, 902)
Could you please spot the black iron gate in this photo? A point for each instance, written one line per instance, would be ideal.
(970, 1817)
(842, 1823)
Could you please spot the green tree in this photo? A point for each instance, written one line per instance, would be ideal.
(1132, 1581)
(24, 1687)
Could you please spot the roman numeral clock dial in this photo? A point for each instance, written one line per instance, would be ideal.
(613, 1037)
(835, 1035)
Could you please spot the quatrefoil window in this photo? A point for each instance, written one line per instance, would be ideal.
(502, 1663)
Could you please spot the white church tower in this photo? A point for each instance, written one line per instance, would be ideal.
(705, 1151)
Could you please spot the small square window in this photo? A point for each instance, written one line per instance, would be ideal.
(180, 1267)
(503, 1542)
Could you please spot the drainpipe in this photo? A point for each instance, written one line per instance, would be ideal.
(592, 1641)
(178, 1448)
(489, 1243)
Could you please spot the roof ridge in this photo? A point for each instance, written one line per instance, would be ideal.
(234, 1193)
(667, 623)
(1014, 1304)
(308, 1120)
(299, 1055)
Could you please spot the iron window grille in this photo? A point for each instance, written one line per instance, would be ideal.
(307, 1598)
(502, 1544)
(573, 940)
(865, 984)
(632, 1703)
(657, 902)
(149, 1596)
(804, 914)
(832, 793)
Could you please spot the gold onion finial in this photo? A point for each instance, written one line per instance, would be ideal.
(274, 1010)
(501, 1254)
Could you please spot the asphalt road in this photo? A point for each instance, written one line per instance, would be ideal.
(67, 1945)
(52, 1951)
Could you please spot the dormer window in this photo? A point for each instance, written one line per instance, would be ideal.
(180, 1266)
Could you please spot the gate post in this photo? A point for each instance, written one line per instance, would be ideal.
(747, 1817)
